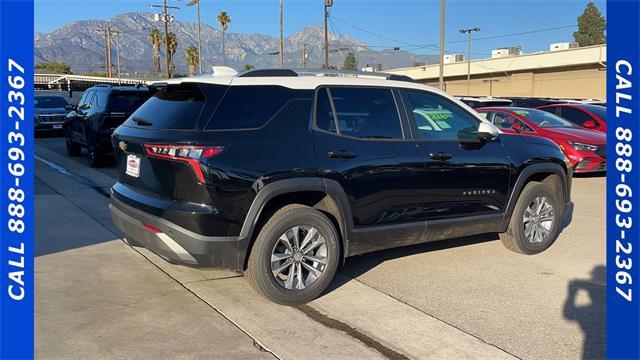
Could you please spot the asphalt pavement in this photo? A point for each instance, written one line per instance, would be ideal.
(470, 298)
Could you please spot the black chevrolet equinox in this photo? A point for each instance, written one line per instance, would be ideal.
(283, 174)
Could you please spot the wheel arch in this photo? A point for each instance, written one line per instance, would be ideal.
(322, 194)
(550, 173)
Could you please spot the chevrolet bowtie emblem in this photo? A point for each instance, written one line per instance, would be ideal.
(122, 145)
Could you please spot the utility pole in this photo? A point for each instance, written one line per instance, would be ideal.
(165, 18)
(468, 32)
(442, 15)
(327, 4)
(281, 38)
(107, 49)
(304, 56)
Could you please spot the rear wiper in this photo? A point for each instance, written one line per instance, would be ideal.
(141, 122)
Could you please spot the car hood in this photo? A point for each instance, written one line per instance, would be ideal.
(50, 111)
(578, 135)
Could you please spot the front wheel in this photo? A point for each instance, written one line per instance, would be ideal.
(96, 158)
(535, 220)
(295, 256)
(73, 148)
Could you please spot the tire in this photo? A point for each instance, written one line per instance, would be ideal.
(269, 242)
(516, 238)
(73, 148)
(95, 157)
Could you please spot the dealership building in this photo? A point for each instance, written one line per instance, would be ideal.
(566, 71)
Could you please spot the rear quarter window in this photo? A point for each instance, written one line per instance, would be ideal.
(178, 107)
(251, 107)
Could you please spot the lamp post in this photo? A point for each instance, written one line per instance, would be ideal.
(468, 32)
(442, 12)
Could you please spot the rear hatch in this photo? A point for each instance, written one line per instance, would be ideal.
(148, 141)
(120, 105)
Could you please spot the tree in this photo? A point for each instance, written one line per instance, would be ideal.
(350, 62)
(156, 40)
(173, 46)
(192, 57)
(224, 20)
(248, 67)
(591, 27)
(56, 67)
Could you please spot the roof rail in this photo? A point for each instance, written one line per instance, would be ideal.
(269, 72)
(324, 72)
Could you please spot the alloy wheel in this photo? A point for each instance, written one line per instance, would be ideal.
(538, 220)
(299, 257)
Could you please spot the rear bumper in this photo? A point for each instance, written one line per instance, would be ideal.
(174, 243)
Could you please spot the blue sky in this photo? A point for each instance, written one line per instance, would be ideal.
(382, 23)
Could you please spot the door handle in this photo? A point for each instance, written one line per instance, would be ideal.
(341, 154)
(440, 156)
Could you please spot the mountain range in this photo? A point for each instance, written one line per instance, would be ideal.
(81, 45)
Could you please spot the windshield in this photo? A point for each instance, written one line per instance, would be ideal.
(544, 119)
(49, 102)
(599, 111)
(126, 102)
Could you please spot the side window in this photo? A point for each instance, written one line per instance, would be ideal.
(101, 99)
(366, 112)
(438, 118)
(250, 107)
(324, 112)
(83, 98)
(575, 116)
(552, 110)
(90, 97)
(506, 121)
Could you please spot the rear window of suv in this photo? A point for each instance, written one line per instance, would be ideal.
(177, 107)
(252, 106)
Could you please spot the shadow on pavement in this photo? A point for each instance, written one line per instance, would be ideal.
(586, 305)
(358, 265)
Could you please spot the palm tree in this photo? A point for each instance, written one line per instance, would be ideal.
(224, 20)
(155, 37)
(172, 41)
(192, 56)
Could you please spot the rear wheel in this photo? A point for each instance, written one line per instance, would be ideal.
(73, 148)
(295, 256)
(535, 220)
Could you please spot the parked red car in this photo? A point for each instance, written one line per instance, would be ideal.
(586, 149)
(590, 116)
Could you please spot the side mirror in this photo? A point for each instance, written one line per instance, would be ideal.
(589, 124)
(487, 131)
(517, 127)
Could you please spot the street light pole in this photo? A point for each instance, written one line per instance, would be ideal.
(442, 13)
(281, 38)
(118, 51)
(201, 58)
(468, 32)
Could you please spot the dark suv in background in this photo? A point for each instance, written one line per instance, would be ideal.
(100, 110)
(282, 175)
(49, 112)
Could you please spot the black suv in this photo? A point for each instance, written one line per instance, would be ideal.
(101, 109)
(282, 175)
(49, 112)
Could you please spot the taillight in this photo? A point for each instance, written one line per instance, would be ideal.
(184, 153)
